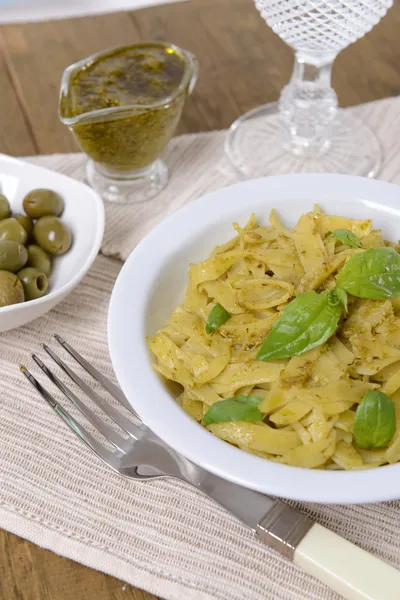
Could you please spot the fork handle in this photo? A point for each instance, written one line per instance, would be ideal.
(346, 568)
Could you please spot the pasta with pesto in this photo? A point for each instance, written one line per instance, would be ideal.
(304, 404)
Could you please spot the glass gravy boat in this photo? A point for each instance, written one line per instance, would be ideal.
(123, 106)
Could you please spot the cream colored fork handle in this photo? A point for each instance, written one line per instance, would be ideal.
(346, 568)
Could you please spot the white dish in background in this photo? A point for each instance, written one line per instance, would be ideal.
(16, 11)
(152, 283)
(83, 214)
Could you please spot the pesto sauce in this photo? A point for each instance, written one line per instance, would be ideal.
(126, 139)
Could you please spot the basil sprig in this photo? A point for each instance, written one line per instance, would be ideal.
(311, 318)
(347, 237)
(375, 420)
(307, 322)
(217, 317)
(374, 274)
(239, 408)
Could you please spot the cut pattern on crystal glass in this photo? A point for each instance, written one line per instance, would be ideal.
(315, 26)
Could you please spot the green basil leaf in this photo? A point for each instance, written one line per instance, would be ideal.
(374, 273)
(217, 317)
(240, 408)
(347, 237)
(375, 420)
(307, 322)
(341, 294)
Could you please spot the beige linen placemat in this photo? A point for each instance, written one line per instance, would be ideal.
(162, 536)
(197, 165)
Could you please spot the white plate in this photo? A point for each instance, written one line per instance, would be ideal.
(152, 283)
(84, 215)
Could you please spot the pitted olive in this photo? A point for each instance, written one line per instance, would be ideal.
(5, 210)
(26, 223)
(52, 235)
(41, 202)
(34, 282)
(13, 256)
(38, 259)
(11, 289)
(11, 229)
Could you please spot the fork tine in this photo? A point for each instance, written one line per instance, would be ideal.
(110, 435)
(112, 389)
(109, 410)
(68, 419)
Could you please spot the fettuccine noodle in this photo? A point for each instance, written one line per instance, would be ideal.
(309, 400)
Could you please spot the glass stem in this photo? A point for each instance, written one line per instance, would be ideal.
(308, 105)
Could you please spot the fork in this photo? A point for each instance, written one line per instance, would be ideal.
(141, 455)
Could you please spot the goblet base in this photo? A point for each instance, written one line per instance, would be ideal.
(131, 188)
(259, 144)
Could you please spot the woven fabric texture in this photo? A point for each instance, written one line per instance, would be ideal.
(161, 536)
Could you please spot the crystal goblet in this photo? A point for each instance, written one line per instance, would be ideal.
(305, 131)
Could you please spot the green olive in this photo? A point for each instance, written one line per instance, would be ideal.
(26, 223)
(11, 229)
(52, 235)
(41, 202)
(34, 282)
(11, 289)
(13, 256)
(5, 210)
(38, 258)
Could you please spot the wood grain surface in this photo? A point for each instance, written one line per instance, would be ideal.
(243, 64)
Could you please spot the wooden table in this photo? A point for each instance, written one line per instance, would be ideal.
(243, 64)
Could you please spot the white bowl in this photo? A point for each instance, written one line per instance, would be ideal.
(84, 215)
(152, 283)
